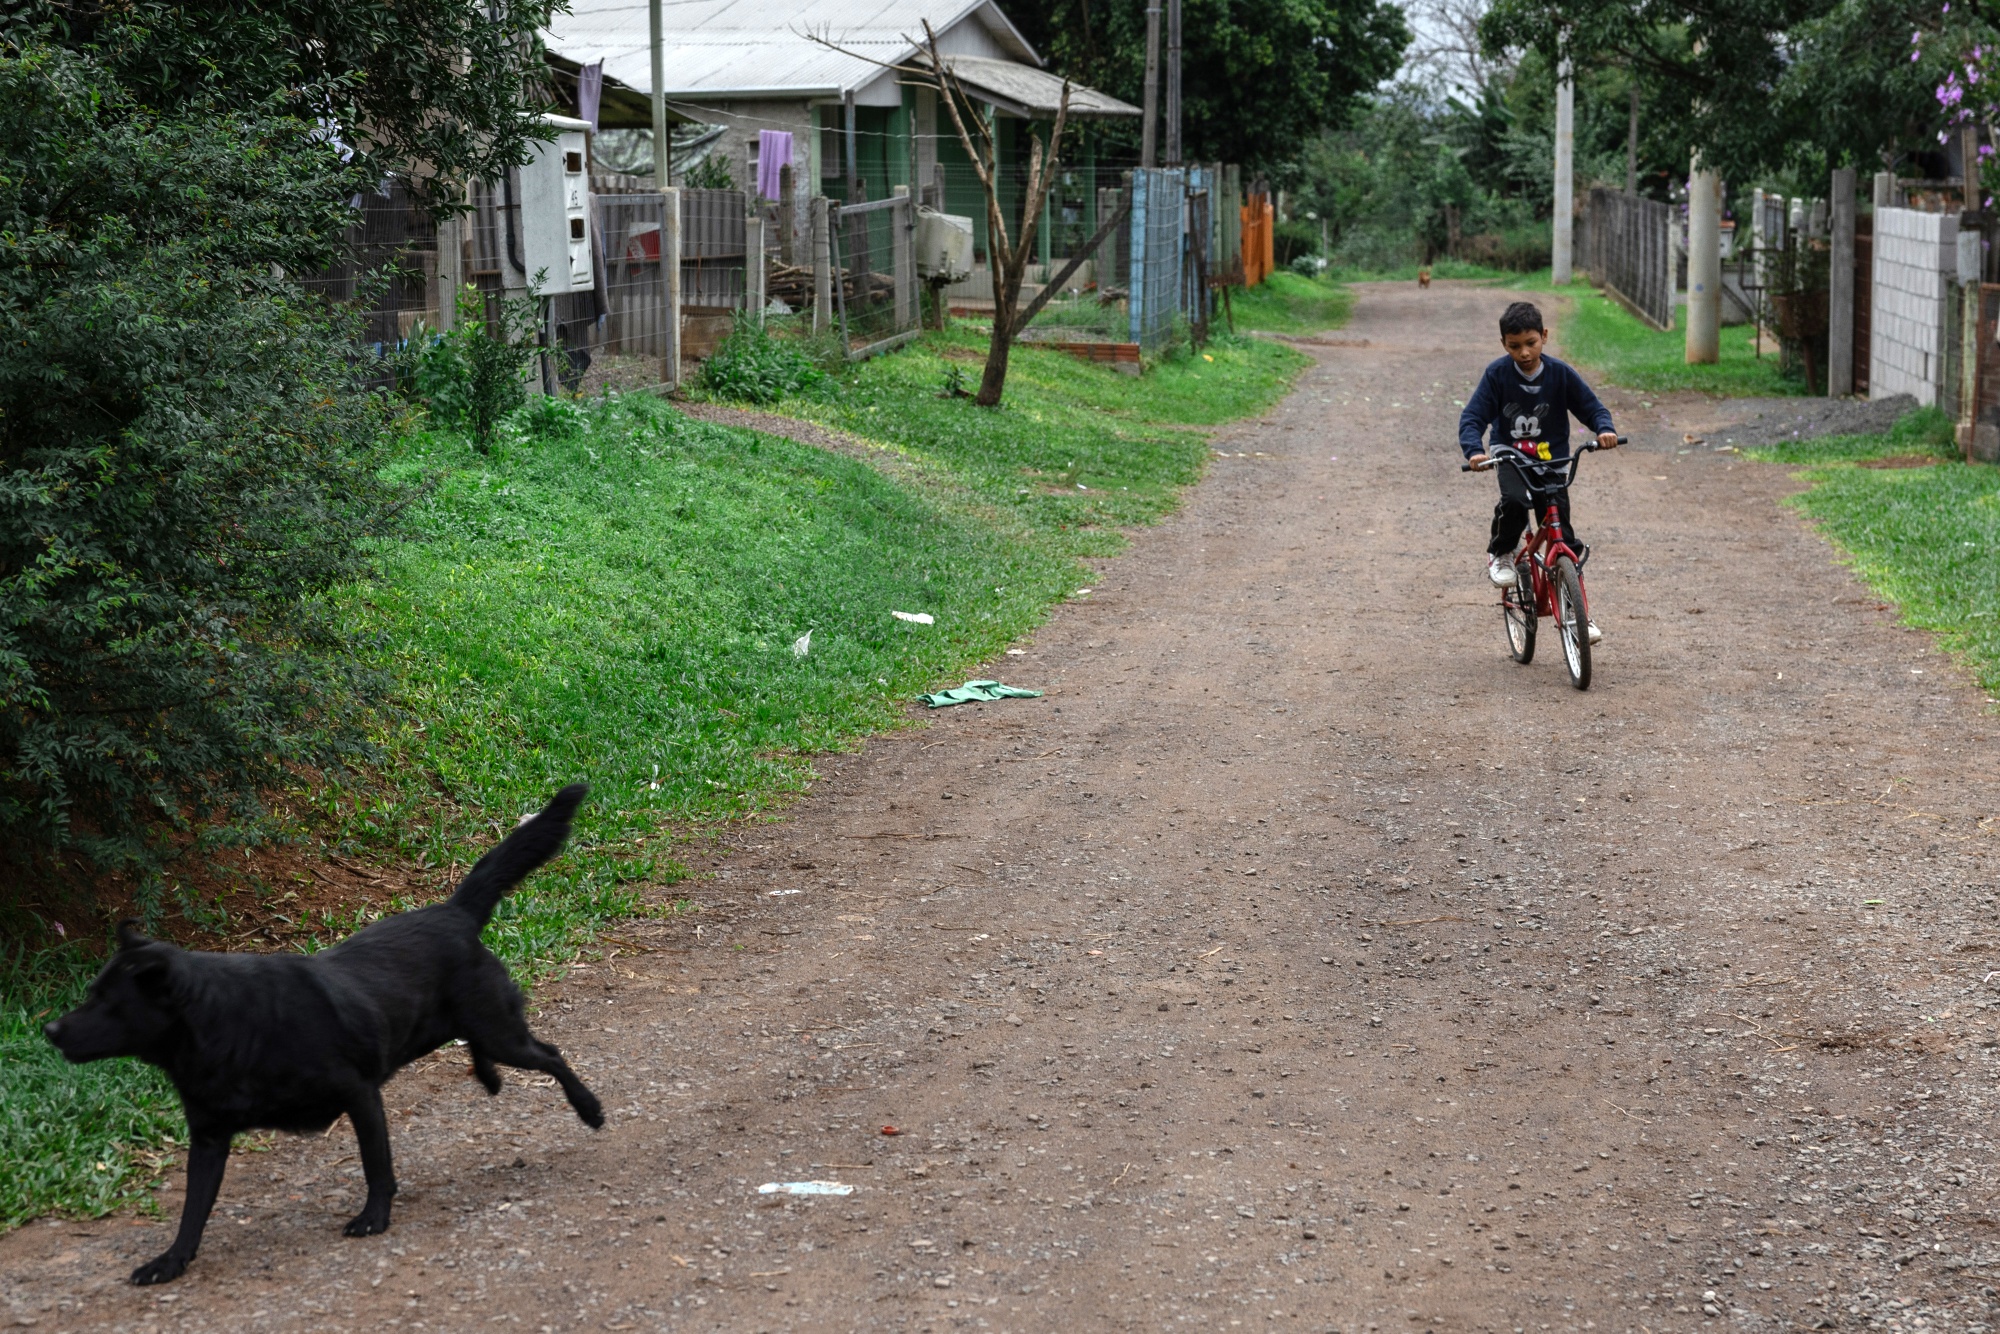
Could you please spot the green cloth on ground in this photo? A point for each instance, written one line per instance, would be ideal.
(976, 691)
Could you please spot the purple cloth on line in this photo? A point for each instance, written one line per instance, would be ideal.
(774, 153)
(590, 91)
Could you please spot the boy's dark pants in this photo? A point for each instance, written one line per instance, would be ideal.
(1510, 516)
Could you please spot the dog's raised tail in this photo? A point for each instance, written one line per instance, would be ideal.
(534, 841)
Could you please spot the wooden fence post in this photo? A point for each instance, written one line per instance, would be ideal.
(1840, 289)
(903, 257)
(787, 217)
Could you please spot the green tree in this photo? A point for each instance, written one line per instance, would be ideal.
(435, 90)
(1258, 77)
(186, 460)
(1754, 86)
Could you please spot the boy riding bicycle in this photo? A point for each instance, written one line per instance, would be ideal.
(1526, 399)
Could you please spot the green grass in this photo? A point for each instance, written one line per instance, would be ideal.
(82, 1138)
(1602, 336)
(1287, 303)
(618, 601)
(1925, 538)
(1076, 453)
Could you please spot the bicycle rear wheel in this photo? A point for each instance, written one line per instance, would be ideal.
(1517, 606)
(1572, 622)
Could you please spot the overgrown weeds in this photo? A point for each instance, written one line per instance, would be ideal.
(753, 366)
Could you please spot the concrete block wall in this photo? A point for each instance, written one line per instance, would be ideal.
(1914, 254)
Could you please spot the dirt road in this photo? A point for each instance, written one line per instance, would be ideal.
(1298, 963)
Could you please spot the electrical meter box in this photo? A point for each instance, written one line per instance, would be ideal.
(944, 246)
(555, 209)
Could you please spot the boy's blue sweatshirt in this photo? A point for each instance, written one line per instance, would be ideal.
(1526, 412)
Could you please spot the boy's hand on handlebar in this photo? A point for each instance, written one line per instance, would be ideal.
(1607, 440)
(1477, 460)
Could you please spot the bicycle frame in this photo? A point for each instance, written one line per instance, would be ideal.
(1548, 541)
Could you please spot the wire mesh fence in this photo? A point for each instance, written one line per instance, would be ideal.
(875, 273)
(1157, 263)
(630, 232)
(387, 268)
(1628, 247)
(713, 248)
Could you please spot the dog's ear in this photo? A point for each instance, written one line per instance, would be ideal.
(153, 975)
(128, 935)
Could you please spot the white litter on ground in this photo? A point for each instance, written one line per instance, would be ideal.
(915, 617)
(805, 1188)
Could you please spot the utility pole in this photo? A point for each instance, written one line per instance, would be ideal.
(1148, 135)
(1632, 144)
(1704, 332)
(663, 147)
(1565, 203)
(1173, 83)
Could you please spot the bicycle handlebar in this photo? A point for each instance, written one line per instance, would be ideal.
(1509, 454)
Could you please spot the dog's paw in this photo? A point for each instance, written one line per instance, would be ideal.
(591, 1111)
(368, 1223)
(165, 1269)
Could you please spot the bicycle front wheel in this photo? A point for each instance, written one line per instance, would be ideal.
(1572, 622)
(1517, 605)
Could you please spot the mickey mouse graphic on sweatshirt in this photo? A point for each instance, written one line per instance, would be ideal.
(1529, 412)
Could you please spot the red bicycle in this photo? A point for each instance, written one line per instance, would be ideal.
(1548, 573)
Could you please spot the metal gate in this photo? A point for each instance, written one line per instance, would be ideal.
(630, 231)
(1630, 251)
(1159, 211)
(874, 262)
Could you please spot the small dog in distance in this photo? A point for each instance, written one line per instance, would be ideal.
(291, 1041)
(1424, 278)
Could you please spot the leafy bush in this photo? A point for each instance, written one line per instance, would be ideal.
(753, 367)
(551, 417)
(711, 173)
(469, 378)
(186, 460)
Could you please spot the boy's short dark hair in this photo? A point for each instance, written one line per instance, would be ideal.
(1521, 317)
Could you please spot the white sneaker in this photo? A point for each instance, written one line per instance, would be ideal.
(1596, 635)
(1500, 569)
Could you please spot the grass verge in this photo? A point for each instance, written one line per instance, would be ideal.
(1922, 531)
(1602, 336)
(1288, 303)
(617, 593)
(80, 1138)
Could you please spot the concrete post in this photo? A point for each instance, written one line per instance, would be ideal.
(1885, 189)
(1840, 289)
(1971, 251)
(756, 269)
(663, 144)
(1704, 331)
(822, 261)
(450, 272)
(1562, 245)
(670, 271)
(1149, 143)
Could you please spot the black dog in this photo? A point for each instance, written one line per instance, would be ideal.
(289, 1041)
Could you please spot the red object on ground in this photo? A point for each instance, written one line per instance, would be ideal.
(891, 1130)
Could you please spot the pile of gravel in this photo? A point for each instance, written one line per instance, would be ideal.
(1771, 421)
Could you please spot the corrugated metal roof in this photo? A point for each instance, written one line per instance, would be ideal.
(1036, 93)
(749, 47)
